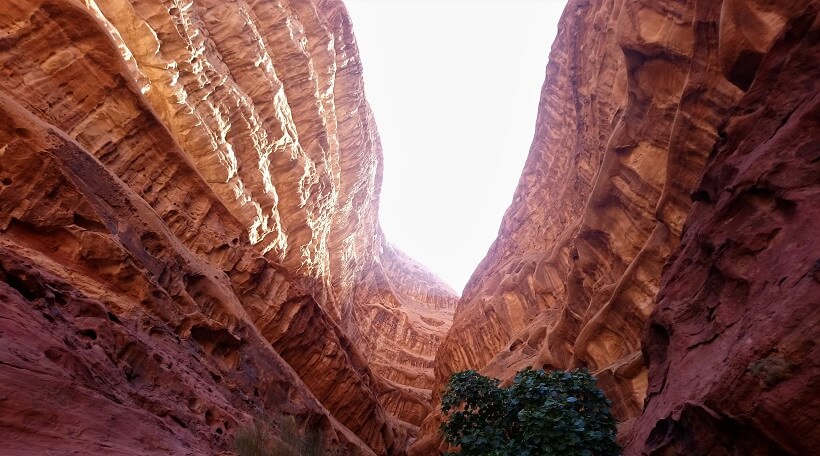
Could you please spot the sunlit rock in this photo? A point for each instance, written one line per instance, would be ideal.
(190, 232)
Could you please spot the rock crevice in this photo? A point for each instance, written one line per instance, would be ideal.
(189, 231)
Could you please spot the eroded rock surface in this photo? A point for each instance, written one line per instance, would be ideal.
(408, 310)
(734, 362)
(189, 232)
(634, 96)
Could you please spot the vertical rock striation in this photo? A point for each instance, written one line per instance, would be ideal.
(630, 111)
(189, 231)
(408, 310)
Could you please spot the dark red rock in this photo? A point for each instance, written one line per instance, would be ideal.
(732, 347)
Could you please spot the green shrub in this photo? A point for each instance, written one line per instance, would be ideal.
(262, 439)
(540, 414)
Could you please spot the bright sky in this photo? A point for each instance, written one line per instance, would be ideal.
(454, 85)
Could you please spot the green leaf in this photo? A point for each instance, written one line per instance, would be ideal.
(530, 417)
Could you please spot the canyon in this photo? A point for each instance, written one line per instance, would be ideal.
(189, 231)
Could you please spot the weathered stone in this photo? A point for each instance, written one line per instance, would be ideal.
(629, 113)
(734, 362)
(189, 231)
(204, 177)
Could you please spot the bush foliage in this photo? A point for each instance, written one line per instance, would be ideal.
(540, 414)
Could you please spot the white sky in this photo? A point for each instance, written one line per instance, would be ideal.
(454, 85)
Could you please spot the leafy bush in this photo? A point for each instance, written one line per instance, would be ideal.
(540, 414)
(260, 439)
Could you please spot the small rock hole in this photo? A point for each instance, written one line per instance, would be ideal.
(701, 196)
(515, 345)
(114, 318)
(53, 354)
(88, 334)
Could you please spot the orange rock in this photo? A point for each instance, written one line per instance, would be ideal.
(629, 113)
(190, 230)
(734, 365)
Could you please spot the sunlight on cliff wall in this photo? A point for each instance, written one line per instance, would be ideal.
(454, 86)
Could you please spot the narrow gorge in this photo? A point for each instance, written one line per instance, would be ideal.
(190, 237)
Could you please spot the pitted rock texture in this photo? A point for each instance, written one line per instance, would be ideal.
(734, 361)
(634, 95)
(116, 336)
(189, 226)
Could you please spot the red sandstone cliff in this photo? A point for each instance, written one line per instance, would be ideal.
(189, 232)
(734, 362)
(633, 105)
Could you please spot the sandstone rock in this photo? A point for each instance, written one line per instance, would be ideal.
(409, 310)
(189, 226)
(629, 113)
(115, 336)
(734, 363)
(189, 230)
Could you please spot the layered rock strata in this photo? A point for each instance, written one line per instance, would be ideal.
(189, 226)
(630, 111)
(408, 310)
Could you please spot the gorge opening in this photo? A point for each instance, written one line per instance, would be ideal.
(455, 107)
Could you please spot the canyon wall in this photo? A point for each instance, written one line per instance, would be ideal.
(640, 99)
(189, 232)
(734, 362)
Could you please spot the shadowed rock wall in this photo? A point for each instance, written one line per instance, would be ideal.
(189, 230)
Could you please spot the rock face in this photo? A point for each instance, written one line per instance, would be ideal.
(734, 362)
(189, 232)
(408, 310)
(631, 110)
